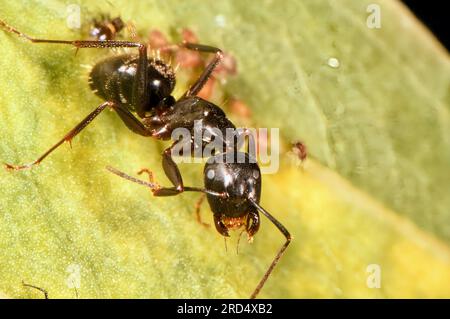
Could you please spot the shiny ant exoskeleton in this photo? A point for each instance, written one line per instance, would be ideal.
(136, 84)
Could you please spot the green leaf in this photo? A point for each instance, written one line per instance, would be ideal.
(374, 190)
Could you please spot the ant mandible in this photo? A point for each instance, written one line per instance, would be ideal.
(142, 85)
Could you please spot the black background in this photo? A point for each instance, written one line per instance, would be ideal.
(435, 15)
(77, 308)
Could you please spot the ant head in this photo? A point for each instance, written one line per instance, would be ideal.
(236, 174)
(161, 82)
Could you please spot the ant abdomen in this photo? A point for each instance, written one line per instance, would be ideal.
(113, 78)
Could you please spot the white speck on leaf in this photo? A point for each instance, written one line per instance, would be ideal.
(333, 62)
(220, 20)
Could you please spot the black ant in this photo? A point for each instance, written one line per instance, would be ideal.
(138, 84)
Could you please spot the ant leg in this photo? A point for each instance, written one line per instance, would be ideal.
(198, 205)
(150, 175)
(201, 81)
(128, 118)
(38, 288)
(280, 253)
(173, 174)
(140, 88)
(77, 43)
(171, 191)
(150, 179)
(11, 29)
(158, 187)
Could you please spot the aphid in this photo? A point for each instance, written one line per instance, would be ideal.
(138, 89)
(188, 59)
(193, 60)
(299, 149)
(157, 40)
(240, 109)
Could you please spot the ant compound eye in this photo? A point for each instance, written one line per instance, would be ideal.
(210, 174)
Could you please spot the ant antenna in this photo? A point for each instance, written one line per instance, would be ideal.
(155, 187)
(280, 253)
